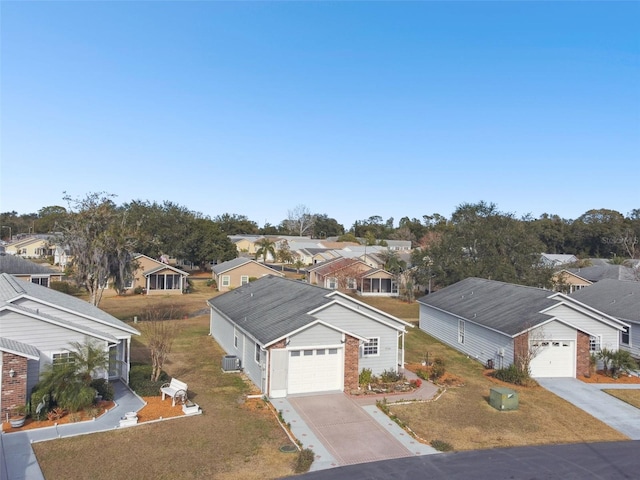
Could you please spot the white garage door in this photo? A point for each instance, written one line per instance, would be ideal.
(554, 359)
(315, 370)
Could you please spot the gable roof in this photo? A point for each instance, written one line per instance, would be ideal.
(238, 262)
(160, 266)
(289, 304)
(601, 270)
(16, 265)
(504, 307)
(19, 348)
(12, 289)
(618, 298)
(335, 264)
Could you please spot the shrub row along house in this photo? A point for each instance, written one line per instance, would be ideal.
(500, 324)
(291, 337)
(37, 325)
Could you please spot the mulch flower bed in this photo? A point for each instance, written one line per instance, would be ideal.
(600, 377)
(155, 409)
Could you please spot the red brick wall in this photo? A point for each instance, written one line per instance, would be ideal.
(280, 344)
(520, 348)
(351, 366)
(14, 389)
(582, 354)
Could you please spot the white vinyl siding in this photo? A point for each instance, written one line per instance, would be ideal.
(480, 343)
(315, 336)
(610, 336)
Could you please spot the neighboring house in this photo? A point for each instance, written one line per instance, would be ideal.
(28, 271)
(37, 325)
(352, 274)
(35, 246)
(399, 245)
(620, 299)
(568, 282)
(158, 278)
(239, 271)
(500, 323)
(295, 338)
(601, 269)
(245, 243)
(555, 260)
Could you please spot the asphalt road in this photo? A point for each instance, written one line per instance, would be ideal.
(585, 461)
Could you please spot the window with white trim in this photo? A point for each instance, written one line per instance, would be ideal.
(371, 347)
(332, 283)
(625, 336)
(352, 284)
(235, 339)
(594, 344)
(257, 353)
(225, 281)
(61, 359)
(461, 331)
(44, 281)
(244, 279)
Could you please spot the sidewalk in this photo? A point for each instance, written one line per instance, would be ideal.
(15, 448)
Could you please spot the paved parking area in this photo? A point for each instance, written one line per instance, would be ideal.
(590, 398)
(349, 433)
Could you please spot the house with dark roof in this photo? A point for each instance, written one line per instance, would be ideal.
(37, 325)
(619, 299)
(239, 271)
(28, 271)
(291, 337)
(500, 324)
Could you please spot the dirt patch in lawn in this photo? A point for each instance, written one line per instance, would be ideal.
(632, 397)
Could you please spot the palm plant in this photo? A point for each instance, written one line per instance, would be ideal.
(622, 361)
(266, 247)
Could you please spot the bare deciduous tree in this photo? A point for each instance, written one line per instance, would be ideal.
(300, 220)
(160, 330)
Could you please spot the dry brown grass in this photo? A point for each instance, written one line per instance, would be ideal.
(398, 308)
(632, 397)
(463, 417)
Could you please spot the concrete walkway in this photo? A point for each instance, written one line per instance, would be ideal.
(589, 397)
(17, 456)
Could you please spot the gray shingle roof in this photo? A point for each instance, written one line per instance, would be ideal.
(618, 298)
(286, 301)
(16, 265)
(22, 349)
(601, 271)
(229, 264)
(11, 288)
(504, 307)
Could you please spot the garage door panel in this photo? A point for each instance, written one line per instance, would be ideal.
(315, 370)
(554, 358)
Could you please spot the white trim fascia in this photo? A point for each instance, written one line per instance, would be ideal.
(313, 324)
(557, 319)
(575, 275)
(18, 353)
(67, 324)
(585, 309)
(355, 310)
(124, 327)
(369, 307)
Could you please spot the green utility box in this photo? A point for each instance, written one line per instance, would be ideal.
(502, 398)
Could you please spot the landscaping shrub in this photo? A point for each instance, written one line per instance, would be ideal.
(141, 383)
(437, 369)
(138, 290)
(423, 374)
(66, 287)
(389, 376)
(304, 461)
(365, 377)
(512, 374)
(441, 445)
(104, 388)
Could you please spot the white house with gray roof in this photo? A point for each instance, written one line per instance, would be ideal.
(293, 338)
(500, 323)
(37, 325)
(620, 299)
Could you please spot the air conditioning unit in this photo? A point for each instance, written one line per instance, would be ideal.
(230, 363)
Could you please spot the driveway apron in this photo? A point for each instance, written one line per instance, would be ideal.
(589, 397)
(350, 434)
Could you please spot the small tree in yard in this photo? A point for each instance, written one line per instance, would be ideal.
(160, 333)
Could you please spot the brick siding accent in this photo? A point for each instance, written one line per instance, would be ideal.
(281, 344)
(520, 348)
(583, 354)
(351, 365)
(14, 389)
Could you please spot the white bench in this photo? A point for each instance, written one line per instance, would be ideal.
(175, 389)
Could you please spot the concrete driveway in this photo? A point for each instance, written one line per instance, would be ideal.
(347, 431)
(590, 398)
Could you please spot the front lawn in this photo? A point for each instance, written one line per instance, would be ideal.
(632, 397)
(463, 417)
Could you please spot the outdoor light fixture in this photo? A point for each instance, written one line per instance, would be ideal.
(12, 373)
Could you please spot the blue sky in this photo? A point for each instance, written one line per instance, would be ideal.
(353, 109)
